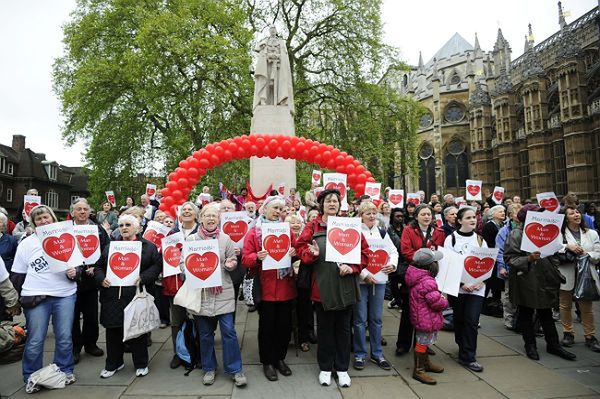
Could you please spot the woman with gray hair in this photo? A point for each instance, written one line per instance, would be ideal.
(114, 300)
(44, 294)
(8, 243)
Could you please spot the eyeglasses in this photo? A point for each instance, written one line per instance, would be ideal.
(125, 225)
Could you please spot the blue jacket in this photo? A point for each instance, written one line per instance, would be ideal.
(500, 242)
(589, 221)
(8, 248)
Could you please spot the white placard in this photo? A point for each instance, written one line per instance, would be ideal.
(473, 190)
(548, 201)
(439, 221)
(302, 213)
(379, 256)
(276, 241)
(281, 188)
(479, 264)
(30, 202)
(59, 245)
(396, 198)
(88, 241)
(124, 259)
(460, 201)
(414, 198)
(171, 254)
(204, 199)
(337, 181)
(316, 177)
(202, 263)
(541, 233)
(236, 226)
(155, 232)
(450, 273)
(343, 240)
(498, 195)
(373, 190)
(151, 190)
(110, 197)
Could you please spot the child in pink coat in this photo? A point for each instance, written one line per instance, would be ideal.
(426, 305)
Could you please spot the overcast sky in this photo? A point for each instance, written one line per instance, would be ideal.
(31, 34)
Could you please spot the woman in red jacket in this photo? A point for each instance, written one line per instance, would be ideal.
(334, 289)
(278, 291)
(420, 233)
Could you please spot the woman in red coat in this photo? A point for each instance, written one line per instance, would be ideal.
(278, 291)
(420, 233)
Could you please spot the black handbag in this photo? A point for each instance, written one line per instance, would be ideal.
(586, 284)
(28, 302)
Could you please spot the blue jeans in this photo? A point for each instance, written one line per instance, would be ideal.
(232, 356)
(369, 308)
(62, 311)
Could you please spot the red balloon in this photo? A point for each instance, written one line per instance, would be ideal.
(184, 164)
(171, 185)
(326, 155)
(194, 163)
(344, 154)
(202, 172)
(273, 144)
(351, 179)
(255, 151)
(260, 142)
(371, 179)
(335, 152)
(180, 172)
(292, 152)
(359, 189)
(281, 152)
(172, 176)
(340, 168)
(214, 160)
(210, 147)
(318, 159)
(331, 164)
(218, 151)
(163, 207)
(246, 144)
(197, 155)
(350, 168)
(300, 146)
(181, 183)
(362, 178)
(165, 192)
(227, 155)
(305, 156)
(204, 163)
(232, 146)
(177, 195)
(339, 159)
(241, 152)
(360, 169)
(193, 173)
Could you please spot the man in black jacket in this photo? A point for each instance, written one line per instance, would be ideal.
(86, 305)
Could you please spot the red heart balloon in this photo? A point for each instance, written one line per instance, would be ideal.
(29, 206)
(154, 237)
(473, 189)
(498, 195)
(172, 255)
(87, 244)
(396, 199)
(550, 204)
(235, 230)
(59, 248)
(377, 260)
(343, 241)
(123, 264)
(277, 246)
(337, 186)
(202, 266)
(541, 235)
(477, 267)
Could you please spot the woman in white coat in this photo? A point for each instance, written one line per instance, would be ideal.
(580, 240)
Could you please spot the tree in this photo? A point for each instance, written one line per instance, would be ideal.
(143, 82)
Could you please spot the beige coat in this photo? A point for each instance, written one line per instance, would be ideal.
(214, 305)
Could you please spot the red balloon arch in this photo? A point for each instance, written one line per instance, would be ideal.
(191, 170)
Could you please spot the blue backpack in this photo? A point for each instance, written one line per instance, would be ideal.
(187, 346)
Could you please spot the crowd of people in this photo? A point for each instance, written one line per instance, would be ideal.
(347, 299)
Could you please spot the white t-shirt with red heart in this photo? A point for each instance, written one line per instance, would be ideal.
(40, 280)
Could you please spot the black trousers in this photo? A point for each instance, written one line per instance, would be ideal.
(274, 330)
(525, 320)
(466, 309)
(406, 331)
(304, 312)
(334, 331)
(86, 305)
(115, 348)
(162, 304)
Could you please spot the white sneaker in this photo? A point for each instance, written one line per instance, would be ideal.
(208, 378)
(107, 374)
(141, 372)
(240, 379)
(344, 379)
(325, 378)
(70, 379)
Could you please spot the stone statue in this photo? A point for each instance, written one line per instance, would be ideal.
(272, 75)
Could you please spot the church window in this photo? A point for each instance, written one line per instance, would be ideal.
(454, 113)
(524, 166)
(560, 168)
(457, 164)
(426, 120)
(427, 169)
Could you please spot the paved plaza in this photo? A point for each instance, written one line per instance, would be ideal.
(508, 373)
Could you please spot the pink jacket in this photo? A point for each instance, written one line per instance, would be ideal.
(426, 302)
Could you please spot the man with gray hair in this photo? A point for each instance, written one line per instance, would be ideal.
(86, 305)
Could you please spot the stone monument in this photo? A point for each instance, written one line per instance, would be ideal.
(273, 112)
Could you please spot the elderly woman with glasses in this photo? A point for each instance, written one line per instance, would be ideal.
(44, 294)
(113, 301)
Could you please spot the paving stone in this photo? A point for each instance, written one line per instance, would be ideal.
(75, 391)
(485, 346)
(11, 379)
(588, 376)
(457, 390)
(302, 384)
(493, 327)
(382, 387)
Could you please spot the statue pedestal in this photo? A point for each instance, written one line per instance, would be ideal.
(271, 119)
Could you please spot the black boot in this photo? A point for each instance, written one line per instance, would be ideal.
(532, 352)
(561, 352)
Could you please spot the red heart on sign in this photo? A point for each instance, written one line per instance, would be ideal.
(438, 221)
(541, 235)
(477, 267)
(343, 241)
(150, 192)
(473, 189)
(396, 199)
(415, 201)
(337, 186)
(277, 246)
(172, 255)
(281, 190)
(498, 195)
(122, 264)
(88, 244)
(59, 248)
(372, 191)
(377, 260)
(235, 230)
(29, 206)
(154, 237)
(202, 266)
(111, 199)
(549, 204)
(316, 177)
